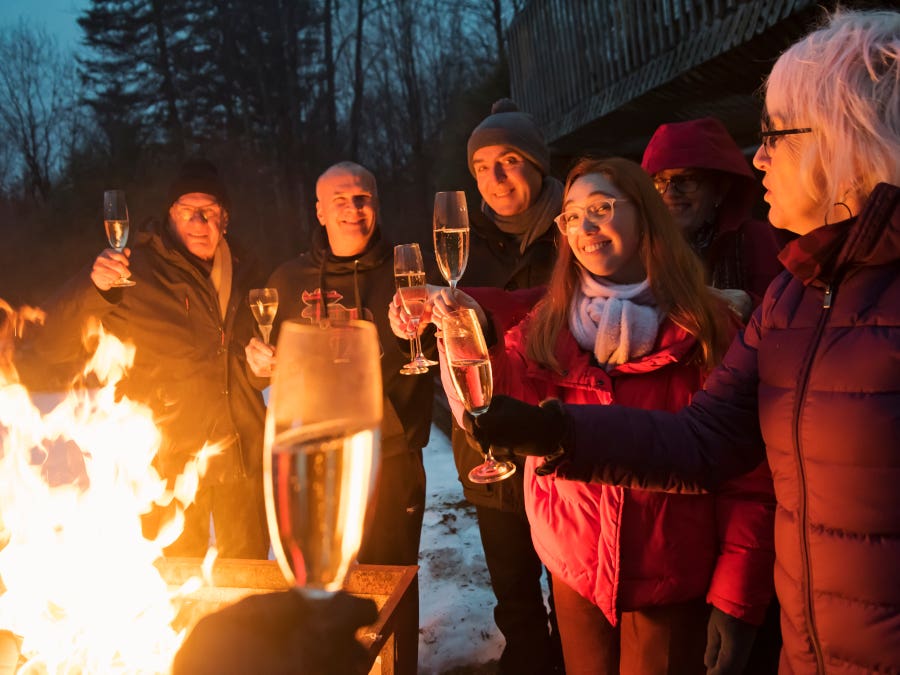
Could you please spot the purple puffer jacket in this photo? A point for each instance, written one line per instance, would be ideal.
(815, 381)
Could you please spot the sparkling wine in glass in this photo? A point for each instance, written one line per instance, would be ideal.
(451, 234)
(409, 275)
(264, 305)
(115, 220)
(470, 370)
(321, 448)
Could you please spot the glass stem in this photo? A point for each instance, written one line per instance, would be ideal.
(419, 355)
(266, 332)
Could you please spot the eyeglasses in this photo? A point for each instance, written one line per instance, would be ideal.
(208, 214)
(769, 138)
(684, 185)
(599, 212)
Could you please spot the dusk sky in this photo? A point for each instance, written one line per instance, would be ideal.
(57, 16)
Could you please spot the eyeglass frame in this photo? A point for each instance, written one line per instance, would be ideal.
(200, 211)
(675, 181)
(767, 138)
(564, 229)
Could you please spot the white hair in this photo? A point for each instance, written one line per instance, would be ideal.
(843, 81)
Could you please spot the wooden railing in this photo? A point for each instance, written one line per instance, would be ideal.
(574, 61)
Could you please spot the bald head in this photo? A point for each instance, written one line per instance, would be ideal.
(347, 206)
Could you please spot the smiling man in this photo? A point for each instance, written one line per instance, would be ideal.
(349, 273)
(512, 246)
(188, 319)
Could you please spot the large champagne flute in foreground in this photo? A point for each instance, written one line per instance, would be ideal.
(470, 370)
(264, 305)
(409, 275)
(321, 448)
(451, 234)
(115, 220)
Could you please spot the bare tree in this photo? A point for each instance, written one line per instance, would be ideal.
(36, 100)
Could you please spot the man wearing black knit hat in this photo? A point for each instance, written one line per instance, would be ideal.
(512, 246)
(188, 319)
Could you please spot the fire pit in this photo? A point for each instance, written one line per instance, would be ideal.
(391, 587)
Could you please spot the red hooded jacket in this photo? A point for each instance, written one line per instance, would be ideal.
(743, 252)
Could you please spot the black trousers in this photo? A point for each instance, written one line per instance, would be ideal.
(521, 615)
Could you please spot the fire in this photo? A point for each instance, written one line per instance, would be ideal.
(80, 592)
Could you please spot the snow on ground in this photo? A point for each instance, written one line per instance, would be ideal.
(456, 621)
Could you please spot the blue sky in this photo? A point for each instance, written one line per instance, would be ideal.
(57, 16)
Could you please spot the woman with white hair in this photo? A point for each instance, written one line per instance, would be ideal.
(814, 379)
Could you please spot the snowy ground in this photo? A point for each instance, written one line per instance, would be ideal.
(456, 626)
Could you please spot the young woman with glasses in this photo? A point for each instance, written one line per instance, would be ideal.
(627, 319)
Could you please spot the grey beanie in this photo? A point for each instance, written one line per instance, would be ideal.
(506, 125)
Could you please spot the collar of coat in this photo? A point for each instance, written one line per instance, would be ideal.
(871, 238)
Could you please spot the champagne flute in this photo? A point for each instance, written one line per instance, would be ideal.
(115, 220)
(321, 449)
(409, 274)
(451, 234)
(470, 370)
(264, 305)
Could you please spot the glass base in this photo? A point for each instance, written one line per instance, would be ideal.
(491, 471)
(413, 368)
(122, 283)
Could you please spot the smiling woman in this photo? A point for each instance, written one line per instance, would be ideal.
(627, 318)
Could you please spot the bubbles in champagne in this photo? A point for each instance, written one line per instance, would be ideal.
(319, 482)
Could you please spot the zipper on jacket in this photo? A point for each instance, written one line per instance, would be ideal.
(803, 383)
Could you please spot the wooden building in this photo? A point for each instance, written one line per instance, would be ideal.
(601, 75)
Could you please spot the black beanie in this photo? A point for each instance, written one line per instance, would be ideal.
(506, 125)
(198, 175)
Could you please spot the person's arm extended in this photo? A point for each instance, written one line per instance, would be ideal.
(715, 438)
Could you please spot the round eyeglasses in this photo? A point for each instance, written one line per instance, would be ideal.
(598, 211)
(684, 185)
(208, 214)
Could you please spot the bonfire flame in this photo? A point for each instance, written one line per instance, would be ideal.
(80, 592)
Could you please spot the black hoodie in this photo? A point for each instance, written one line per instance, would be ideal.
(318, 284)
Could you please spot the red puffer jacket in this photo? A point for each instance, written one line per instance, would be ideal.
(624, 549)
(816, 378)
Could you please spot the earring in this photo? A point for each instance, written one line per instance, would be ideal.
(849, 212)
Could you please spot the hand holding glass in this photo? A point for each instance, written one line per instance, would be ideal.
(115, 220)
(264, 305)
(321, 448)
(409, 275)
(470, 370)
(451, 234)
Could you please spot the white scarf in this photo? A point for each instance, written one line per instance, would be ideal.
(617, 322)
(220, 275)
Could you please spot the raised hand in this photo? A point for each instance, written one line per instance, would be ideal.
(109, 267)
(445, 300)
(524, 429)
(260, 357)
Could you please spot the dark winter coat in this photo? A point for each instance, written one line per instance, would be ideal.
(495, 260)
(189, 363)
(318, 284)
(814, 381)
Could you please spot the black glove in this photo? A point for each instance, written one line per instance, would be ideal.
(281, 633)
(525, 429)
(728, 644)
